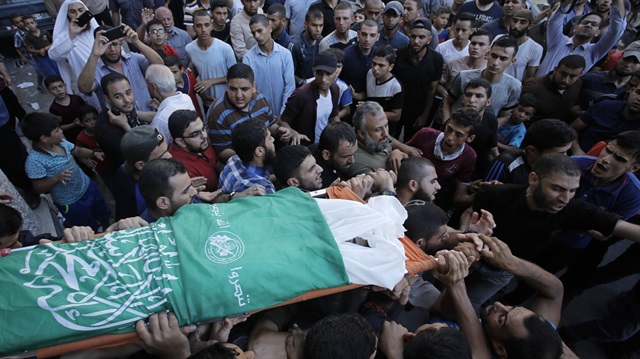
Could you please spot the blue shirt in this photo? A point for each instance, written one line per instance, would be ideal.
(273, 74)
(596, 84)
(134, 66)
(511, 135)
(397, 41)
(304, 54)
(238, 176)
(4, 113)
(355, 67)
(605, 120)
(42, 164)
(496, 27)
(284, 39)
(179, 39)
(621, 197)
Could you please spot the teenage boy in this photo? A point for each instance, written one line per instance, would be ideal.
(220, 28)
(88, 116)
(51, 168)
(157, 37)
(64, 105)
(185, 81)
(511, 134)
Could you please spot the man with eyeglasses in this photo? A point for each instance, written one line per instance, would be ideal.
(191, 146)
(107, 56)
(589, 26)
(162, 87)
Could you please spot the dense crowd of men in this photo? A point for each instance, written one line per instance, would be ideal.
(511, 137)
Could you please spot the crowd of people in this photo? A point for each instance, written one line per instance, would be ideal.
(511, 137)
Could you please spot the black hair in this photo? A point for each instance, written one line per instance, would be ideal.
(442, 10)
(479, 82)
(154, 22)
(10, 221)
(344, 336)
(179, 120)
(630, 141)
(247, 136)
(438, 343)
(528, 100)
(288, 161)
(218, 3)
(465, 16)
(372, 24)
(240, 71)
(202, 13)
(481, 32)
(51, 79)
(548, 133)
(340, 6)
(551, 163)
(215, 351)
(467, 117)
(37, 124)
(153, 180)
(335, 133)
(85, 110)
(27, 16)
(338, 53)
(542, 341)
(259, 19)
(173, 60)
(506, 41)
(277, 8)
(412, 168)
(387, 52)
(111, 78)
(424, 220)
(573, 62)
(313, 13)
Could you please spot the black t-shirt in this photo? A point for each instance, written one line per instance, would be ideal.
(527, 232)
(223, 35)
(510, 167)
(486, 139)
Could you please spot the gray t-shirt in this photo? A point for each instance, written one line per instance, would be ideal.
(504, 93)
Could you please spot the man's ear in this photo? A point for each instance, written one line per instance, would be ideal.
(43, 139)
(326, 155)
(361, 134)
(293, 182)
(635, 168)
(259, 152)
(162, 202)
(471, 138)
(180, 142)
(422, 243)
(488, 102)
(513, 61)
(533, 179)
(413, 185)
(138, 165)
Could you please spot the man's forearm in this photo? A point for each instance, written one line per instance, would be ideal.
(539, 279)
(86, 80)
(429, 100)
(468, 321)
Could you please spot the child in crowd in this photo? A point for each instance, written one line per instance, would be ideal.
(88, 117)
(157, 37)
(440, 19)
(345, 99)
(359, 16)
(511, 134)
(64, 105)
(52, 169)
(20, 46)
(185, 81)
(38, 42)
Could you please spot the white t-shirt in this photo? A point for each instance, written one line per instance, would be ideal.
(323, 111)
(449, 52)
(529, 55)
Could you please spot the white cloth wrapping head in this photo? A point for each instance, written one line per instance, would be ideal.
(380, 223)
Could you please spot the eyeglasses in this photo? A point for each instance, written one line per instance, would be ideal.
(200, 133)
(157, 31)
(590, 23)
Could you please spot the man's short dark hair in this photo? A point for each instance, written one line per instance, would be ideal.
(111, 78)
(438, 343)
(424, 220)
(465, 16)
(10, 221)
(467, 117)
(202, 13)
(218, 3)
(477, 83)
(277, 8)
(338, 53)
(154, 179)
(343, 6)
(413, 168)
(344, 336)
(259, 19)
(542, 341)
(573, 62)
(335, 133)
(215, 351)
(630, 141)
(370, 23)
(247, 136)
(240, 71)
(85, 110)
(548, 133)
(288, 162)
(528, 100)
(506, 41)
(36, 124)
(313, 13)
(387, 52)
(51, 79)
(481, 32)
(554, 162)
(179, 120)
(154, 22)
(173, 60)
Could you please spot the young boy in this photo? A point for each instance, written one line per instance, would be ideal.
(38, 42)
(359, 16)
(384, 88)
(52, 169)
(511, 134)
(88, 117)
(64, 105)
(21, 48)
(157, 37)
(440, 20)
(185, 81)
(345, 98)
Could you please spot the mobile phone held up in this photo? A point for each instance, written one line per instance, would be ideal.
(115, 33)
(84, 18)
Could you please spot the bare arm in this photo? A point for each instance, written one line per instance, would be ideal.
(529, 73)
(394, 115)
(578, 126)
(627, 230)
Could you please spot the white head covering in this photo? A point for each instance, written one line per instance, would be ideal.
(71, 55)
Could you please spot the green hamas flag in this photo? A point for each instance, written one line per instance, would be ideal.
(206, 262)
